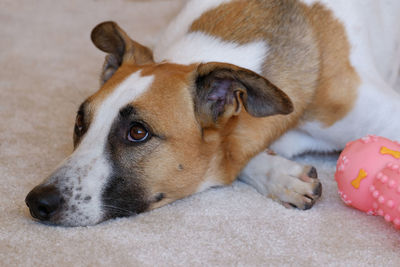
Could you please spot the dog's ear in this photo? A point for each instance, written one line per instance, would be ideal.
(221, 90)
(110, 38)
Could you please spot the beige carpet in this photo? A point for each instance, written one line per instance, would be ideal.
(48, 66)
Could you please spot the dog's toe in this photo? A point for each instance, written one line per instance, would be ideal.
(287, 182)
(312, 173)
(299, 191)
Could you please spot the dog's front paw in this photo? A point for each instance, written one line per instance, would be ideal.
(294, 188)
(288, 182)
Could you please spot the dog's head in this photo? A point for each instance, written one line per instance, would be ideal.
(152, 134)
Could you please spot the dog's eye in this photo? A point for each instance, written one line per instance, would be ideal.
(138, 133)
(79, 123)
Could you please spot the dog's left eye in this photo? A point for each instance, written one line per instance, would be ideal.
(138, 133)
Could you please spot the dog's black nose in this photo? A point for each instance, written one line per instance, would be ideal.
(43, 202)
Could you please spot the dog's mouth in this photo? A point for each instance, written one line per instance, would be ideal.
(64, 203)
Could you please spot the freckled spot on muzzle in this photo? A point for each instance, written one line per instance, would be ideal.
(87, 199)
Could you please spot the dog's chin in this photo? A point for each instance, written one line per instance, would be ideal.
(77, 221)
(69, 222)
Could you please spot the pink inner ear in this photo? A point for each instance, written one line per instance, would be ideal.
(221, 94)
(220, 90)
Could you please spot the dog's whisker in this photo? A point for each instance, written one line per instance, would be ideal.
(118, 200)
(129, 212)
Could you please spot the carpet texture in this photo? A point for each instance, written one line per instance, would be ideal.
(48, 66)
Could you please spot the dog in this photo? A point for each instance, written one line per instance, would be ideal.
(232, 89)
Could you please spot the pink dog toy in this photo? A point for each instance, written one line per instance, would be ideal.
(368, 177)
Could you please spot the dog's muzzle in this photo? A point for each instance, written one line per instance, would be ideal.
(44, 202)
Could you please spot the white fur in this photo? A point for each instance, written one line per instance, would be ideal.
(373, 29)
(179, 46)
(280, 179)
(258, 171)
(88, 168)
(295, 142)
(199, 47)
(179, 26)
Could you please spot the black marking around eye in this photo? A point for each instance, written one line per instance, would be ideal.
(80, 131)
(125, 192)
(159, 197)
(127, 111)
(82, 107)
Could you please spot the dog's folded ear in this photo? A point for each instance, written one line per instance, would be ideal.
(110, 38)
(221, 90)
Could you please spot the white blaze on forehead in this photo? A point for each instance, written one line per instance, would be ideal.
(86, 171)
(131, 88)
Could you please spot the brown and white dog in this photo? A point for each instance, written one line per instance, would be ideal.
(226, 80)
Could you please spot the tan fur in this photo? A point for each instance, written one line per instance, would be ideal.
(182, 158)
(338, 81)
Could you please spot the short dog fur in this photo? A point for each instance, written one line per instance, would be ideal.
(226, 80)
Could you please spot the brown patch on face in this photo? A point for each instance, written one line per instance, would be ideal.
(168, 107)
(338, 81)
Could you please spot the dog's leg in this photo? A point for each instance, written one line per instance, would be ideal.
(285, 181)
(296, 142)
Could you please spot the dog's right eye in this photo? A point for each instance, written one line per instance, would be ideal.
(79, 124)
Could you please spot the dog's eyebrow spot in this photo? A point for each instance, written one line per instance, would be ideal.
(127, 111)
(159, 197)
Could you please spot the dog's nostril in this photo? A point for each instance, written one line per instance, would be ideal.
(43, 202)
